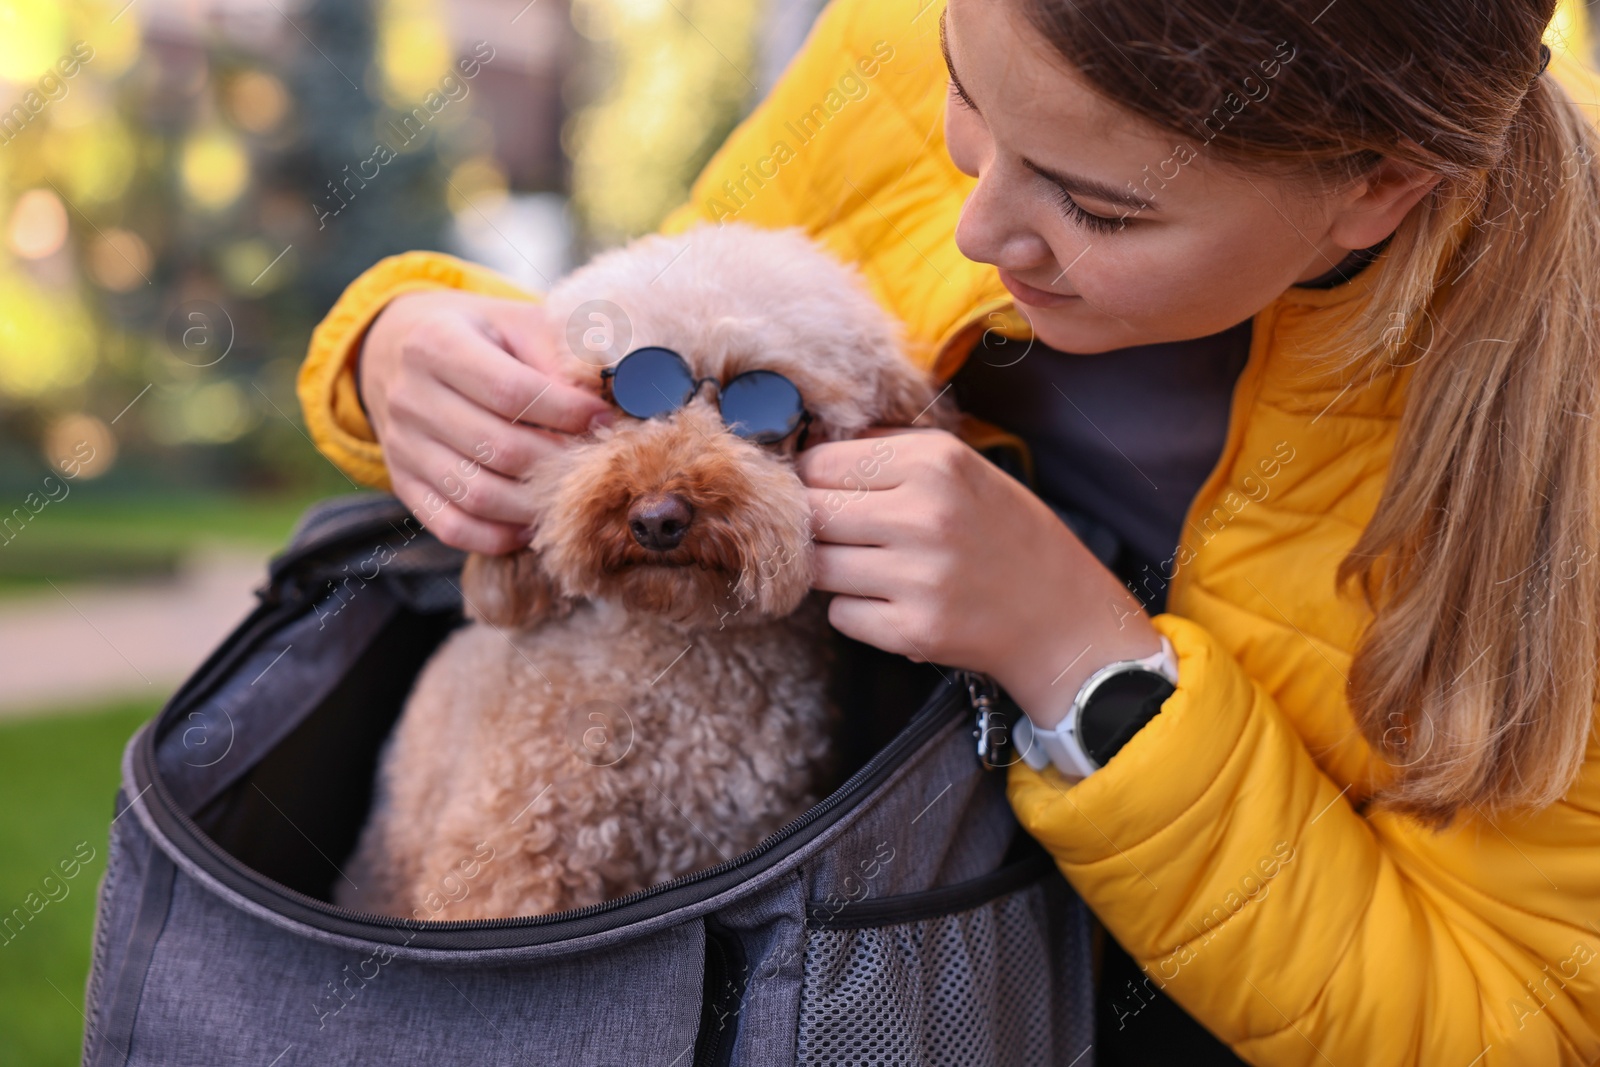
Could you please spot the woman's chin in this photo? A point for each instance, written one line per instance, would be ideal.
(1073, 328)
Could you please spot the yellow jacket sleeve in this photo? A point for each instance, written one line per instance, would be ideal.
(1301, 931)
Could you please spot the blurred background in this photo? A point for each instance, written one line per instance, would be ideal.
(185, 188)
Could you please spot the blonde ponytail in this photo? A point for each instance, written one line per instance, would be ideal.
(1477, 677)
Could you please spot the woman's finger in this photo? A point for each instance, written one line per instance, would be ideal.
(851, 465)
(869, 622)
(453, 526)
(463, 480)
(845, 518)
(464, 359)
(527, 334)
(510, 448)
(853, 570)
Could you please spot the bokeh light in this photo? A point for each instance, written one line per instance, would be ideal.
(257, 101)
(38, 224)
(413, 49)
(676, 81)
(46, 339)
(117, 44)
(79, 445)
(476, 184)
(218, 412)
(204, 413)
(33, 35)
(85, 101)
(214, 169)
(245, 266)
(94, 160)
(119, 260)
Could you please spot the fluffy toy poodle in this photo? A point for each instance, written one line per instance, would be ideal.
(641, 692)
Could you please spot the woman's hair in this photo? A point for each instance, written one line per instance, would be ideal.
(1476, 678)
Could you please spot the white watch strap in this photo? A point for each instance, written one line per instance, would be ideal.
(1060, 746)
(1164, 662)
(1041, 748)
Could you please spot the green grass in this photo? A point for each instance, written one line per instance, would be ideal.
(86, 538)
(58, 778)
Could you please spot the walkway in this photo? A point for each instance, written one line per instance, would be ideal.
(82, 645)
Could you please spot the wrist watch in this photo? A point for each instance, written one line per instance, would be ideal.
(1112, 706)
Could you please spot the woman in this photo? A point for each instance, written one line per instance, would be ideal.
(1344, 260)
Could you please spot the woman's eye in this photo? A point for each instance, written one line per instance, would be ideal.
(960, 95)
(1088, 219)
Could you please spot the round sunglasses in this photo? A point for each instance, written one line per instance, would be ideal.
(759, 405)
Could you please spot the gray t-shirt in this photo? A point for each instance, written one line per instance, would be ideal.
(1122, 440)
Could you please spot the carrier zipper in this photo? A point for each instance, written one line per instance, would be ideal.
(188, 839)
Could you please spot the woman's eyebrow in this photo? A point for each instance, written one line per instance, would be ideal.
(949, 64)
(1095, 190)
(1072, 183)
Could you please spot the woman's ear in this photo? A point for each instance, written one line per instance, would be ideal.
(510, 590)
(1380, 201)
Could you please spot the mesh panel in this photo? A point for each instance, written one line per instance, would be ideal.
(969, 989)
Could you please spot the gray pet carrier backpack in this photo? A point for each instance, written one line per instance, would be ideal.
(905, 919)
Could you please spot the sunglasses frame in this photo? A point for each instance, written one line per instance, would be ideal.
(803, 424)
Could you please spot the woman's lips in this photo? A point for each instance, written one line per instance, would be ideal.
(1027, 294)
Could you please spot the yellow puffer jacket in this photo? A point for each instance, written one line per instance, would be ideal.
(1226, 846)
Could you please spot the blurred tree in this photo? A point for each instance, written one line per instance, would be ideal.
(183, 209)
(670, 80)
(61, 152)
(178, 211)
(363, 203)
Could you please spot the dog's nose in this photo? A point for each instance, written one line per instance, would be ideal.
(658, 521)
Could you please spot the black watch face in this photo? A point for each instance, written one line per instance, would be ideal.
(1117, 709)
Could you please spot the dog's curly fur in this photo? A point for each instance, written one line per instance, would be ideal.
(617, 717)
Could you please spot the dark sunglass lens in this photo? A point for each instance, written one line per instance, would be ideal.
(650, 382)
(761, 405)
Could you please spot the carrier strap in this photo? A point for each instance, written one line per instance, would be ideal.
(113, 1043)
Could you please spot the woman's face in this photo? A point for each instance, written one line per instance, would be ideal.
(1108, 230)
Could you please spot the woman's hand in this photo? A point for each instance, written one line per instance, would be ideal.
(463, 394)
(937, 554)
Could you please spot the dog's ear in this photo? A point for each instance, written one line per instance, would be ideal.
(907, 396)
(510, 590)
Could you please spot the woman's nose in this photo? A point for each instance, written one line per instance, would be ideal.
(992, 229)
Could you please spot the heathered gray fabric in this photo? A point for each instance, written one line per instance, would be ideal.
(114, 985)
(221, 985)
(224, 988)
(190, 971)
